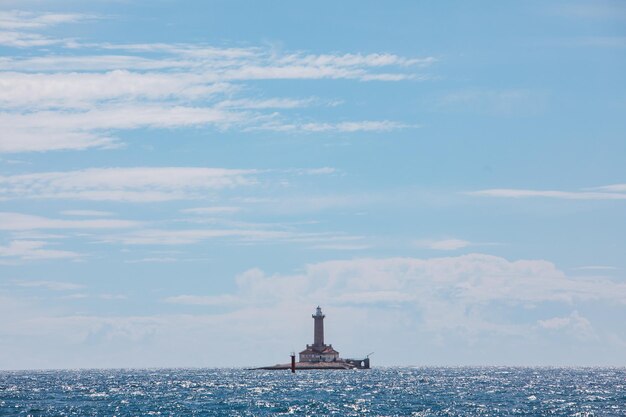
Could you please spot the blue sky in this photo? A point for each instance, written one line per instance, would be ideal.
(182, 184)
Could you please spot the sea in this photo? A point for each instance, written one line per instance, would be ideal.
(456, 391)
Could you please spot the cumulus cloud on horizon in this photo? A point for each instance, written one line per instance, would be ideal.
(466, 298)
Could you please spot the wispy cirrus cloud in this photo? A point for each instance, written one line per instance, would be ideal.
(617, 188)
(50, 285)
(211, 210)
(566, 195)
(609, 192)
(191, 236)
(595, 268)
(352, 60)
(203, 300)
(243, 234)
(20, 221)
(78, 130)
(342, 127)
(75, 64)
(159, 260)
(443, 244)
(272, 103)
(18, 28)
(75, 90)
(228, 64)
(87, 213)
(29, 250)
(24, 40)
(145, 184)
(343, 246)
(17, 19)
(47, 130)
(74, 101)
(136, 184)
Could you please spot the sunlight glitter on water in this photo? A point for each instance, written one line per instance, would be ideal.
(377, 392)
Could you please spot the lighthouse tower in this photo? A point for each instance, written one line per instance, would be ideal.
(318, 328)
(318, 351)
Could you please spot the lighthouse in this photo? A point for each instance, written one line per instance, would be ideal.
(318, 327)
(319, 355)
(318, 351)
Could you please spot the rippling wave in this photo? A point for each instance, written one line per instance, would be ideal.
(377, 392)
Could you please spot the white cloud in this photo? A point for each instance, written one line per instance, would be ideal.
(596, 268)
(84, 90)
(102, 341)
(617, 188)
(296, 66)
(19, 221)
(297, 72)
(78, 130)
(220, 300)
(24, 40)
(312, 203)
(161, 259)
(567, 195)
(218, 55)
(90, 63)
(320, 171)
(36, 235)
(375, 297)
(76, 101)
(574, 324)
(50, 285)
(241, 233)
(272, 103)
(211, 210)
(190, 236)
(345, 127)
(352, 60)
(444, 244)
(442, 289)
(33, 250)
(216, 64)
(37, 139)
(16, 28)
(50, 130)
(87, 213)
(343, 246)
(422, 303)
(137, 184)
(425, 304)
(16, 19)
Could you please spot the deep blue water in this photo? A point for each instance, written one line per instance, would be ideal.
(376, 392)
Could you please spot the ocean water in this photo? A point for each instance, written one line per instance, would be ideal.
(376, 392)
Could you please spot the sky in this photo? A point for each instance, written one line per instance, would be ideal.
(182, 183)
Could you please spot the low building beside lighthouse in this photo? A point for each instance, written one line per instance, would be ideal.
(319, 355)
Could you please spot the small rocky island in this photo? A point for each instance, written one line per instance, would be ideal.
(320, 355)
